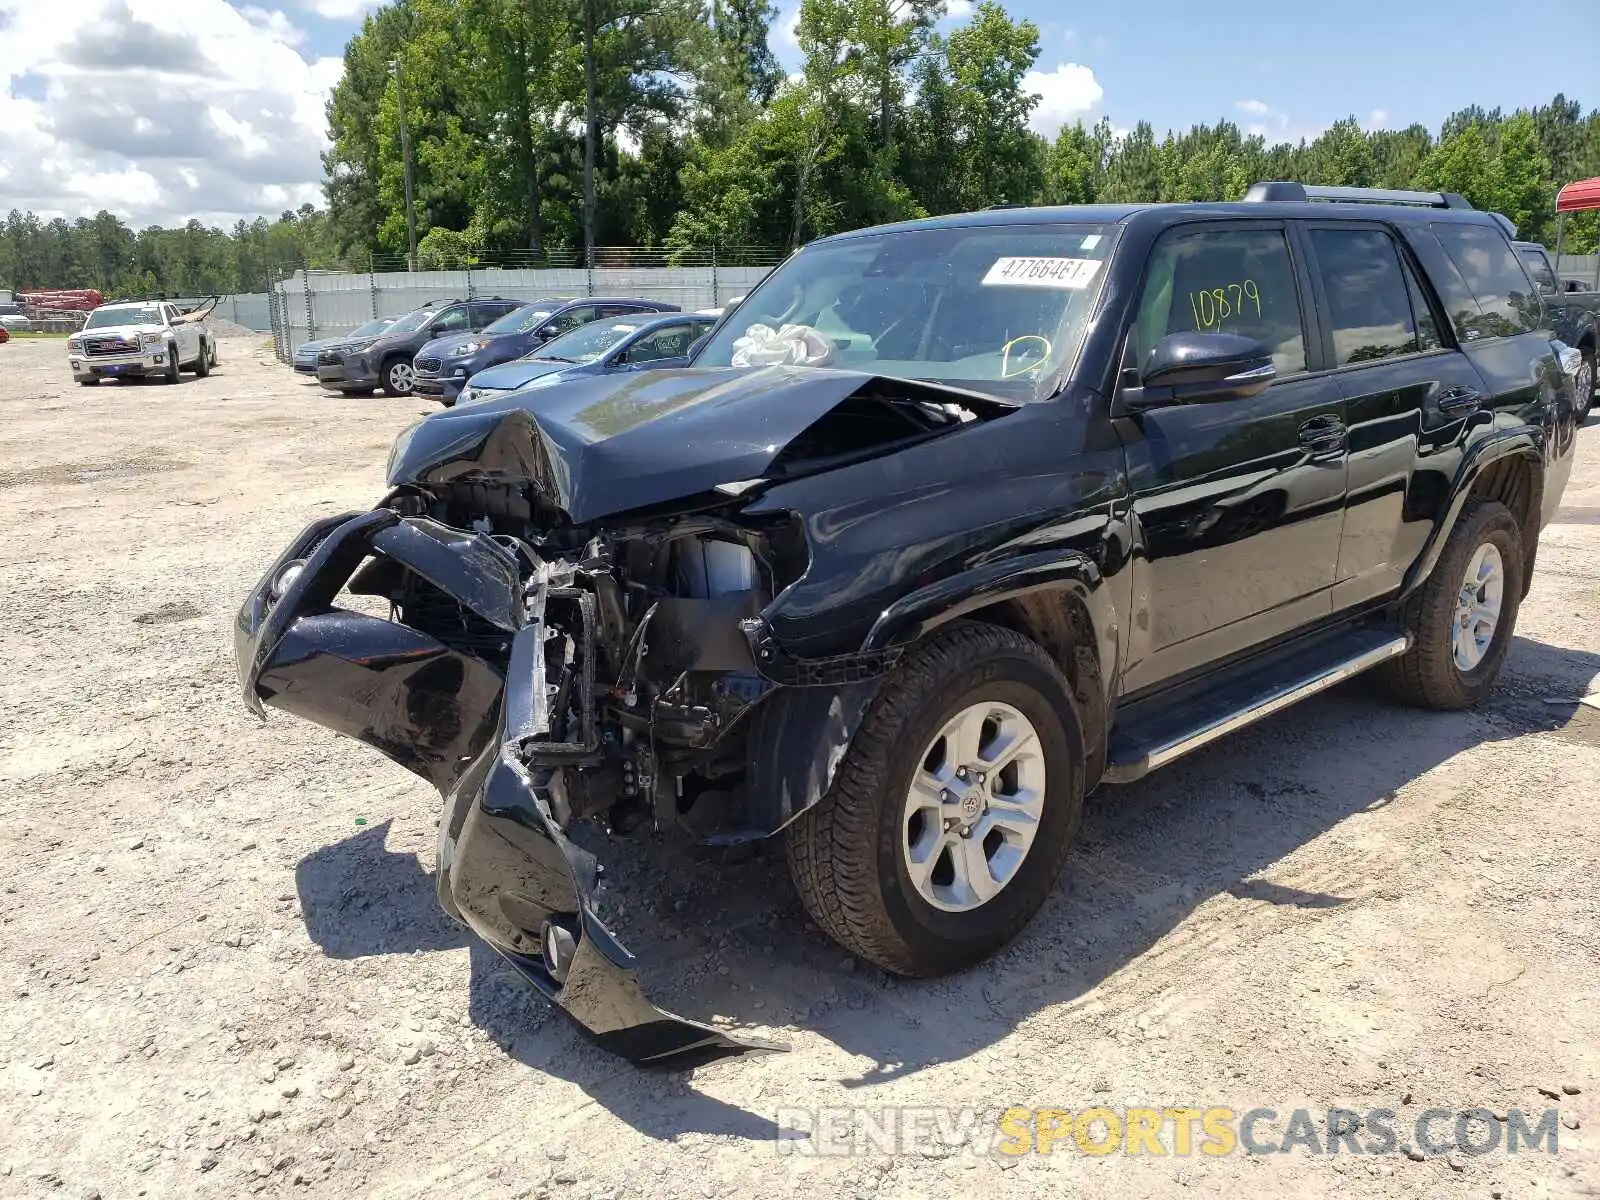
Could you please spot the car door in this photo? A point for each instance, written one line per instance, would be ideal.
(1239, 503)
(1403, 386)
(186, 335)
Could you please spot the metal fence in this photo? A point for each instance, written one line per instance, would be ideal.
(308, 305)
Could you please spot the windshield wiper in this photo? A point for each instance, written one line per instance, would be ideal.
(552, 358)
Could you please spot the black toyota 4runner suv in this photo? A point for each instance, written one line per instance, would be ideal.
(949, 523)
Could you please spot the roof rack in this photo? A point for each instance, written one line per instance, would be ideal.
(1299, 192)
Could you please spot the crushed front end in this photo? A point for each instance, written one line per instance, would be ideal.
(534, 690)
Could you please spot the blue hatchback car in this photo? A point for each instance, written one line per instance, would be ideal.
(634, 343)
(445, 364)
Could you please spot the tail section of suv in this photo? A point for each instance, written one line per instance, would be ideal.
(948, 523)
(384, 360)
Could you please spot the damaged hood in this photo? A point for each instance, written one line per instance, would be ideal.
(602, 445)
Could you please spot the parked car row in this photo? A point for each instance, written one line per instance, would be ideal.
(464, 349)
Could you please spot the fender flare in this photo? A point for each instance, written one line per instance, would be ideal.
(1512, 443)
(920, 612)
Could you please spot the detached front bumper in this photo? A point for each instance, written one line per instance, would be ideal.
(506, 867)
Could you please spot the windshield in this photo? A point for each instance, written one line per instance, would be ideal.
(371, 328)
(521, 320)
(412, 321)
(144, 314)
(587, 342)
(996, 308)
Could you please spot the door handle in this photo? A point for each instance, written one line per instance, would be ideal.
(1458, 398)
(1324, 436)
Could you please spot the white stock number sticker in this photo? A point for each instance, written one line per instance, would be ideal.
(1072, 273)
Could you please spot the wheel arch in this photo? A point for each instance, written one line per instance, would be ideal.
(1057, 600)
(1508, 469)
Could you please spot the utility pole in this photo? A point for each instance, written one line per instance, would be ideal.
(405, 155)
(591, 130)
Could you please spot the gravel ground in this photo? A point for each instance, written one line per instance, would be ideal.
(224, 972)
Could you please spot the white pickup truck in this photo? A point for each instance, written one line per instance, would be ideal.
(141, 338)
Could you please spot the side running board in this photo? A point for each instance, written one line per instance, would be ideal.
(1146, 741)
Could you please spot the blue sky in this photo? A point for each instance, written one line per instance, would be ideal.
(219, 114)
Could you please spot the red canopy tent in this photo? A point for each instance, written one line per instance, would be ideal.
(1582, 196)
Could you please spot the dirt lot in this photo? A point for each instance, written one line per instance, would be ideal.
(224, 972)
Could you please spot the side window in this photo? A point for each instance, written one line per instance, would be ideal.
(1224, 280)
(617, 310)
(449, 321)
(572, 318)
(491, 311)
(1368, 305)
(670, 342)
(1427, 324)
(1539, 267)
(1507, 301)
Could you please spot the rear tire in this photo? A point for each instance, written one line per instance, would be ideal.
(1584, 385)
(202, 362)
(1462, 619)
(853, 854)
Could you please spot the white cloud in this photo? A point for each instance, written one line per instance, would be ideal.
(275, 25)
(1377, 120)
(215, 115)
(1068, 93)
(956, 10)
(339, 10)
(1257, 108)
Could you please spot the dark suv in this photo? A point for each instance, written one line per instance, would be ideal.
(444, 365)
(947, 524)
(384, 360)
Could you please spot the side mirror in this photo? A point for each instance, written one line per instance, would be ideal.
(696, 346)
(1200, 368)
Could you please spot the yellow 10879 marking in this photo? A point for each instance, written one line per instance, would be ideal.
(1213, 306)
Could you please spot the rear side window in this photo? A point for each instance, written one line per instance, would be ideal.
(1507, 301)
(1539, 267)
(1224, 280)
(1368, 305)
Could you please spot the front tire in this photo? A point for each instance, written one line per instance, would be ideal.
(949, 818)
(1462, 619)
(398, 377)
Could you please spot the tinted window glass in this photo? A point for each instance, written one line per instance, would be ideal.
(587, 342)
(450, 320)
(1230, 281)
(1427, 325)
(670, 342)
(1369, 307)
(1506, 299)
(1539, 267)
(573, 318)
